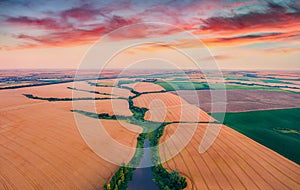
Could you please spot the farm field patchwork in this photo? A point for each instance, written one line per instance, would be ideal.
(41, 146)
(233, 81)
(234, 161)
(277, 129)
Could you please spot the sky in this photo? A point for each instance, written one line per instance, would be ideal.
(237, 35)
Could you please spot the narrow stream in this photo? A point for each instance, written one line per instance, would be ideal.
(142, 177)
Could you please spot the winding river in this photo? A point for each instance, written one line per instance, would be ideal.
(142, 177)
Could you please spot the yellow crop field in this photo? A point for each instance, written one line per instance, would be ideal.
(41, 146)
(170, 108)
(232, 162)
(144, 87)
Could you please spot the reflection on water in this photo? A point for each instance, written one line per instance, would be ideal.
(142, 177)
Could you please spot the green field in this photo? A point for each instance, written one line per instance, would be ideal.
(275, 81)
(277, 129)
(182, 85)
(246, 87)
(189, 85)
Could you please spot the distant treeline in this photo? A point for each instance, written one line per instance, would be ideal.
(32, 85)
(51, 99)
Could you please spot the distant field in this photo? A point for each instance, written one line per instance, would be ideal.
(182, 85)
(248, 87)
(277, 129)
(144, 87)
(243, 100)
(168, 107)
(174, 85)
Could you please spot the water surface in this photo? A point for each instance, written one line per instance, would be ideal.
(142, 177)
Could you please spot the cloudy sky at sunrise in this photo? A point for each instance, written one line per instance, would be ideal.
(239, 34)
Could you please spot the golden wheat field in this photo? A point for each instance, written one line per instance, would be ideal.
(41, 146)
(62, 91)
(105, 82)
(144, 87)
(118, 107)
(166, 99)
(113, 91)
(176, 113)
(232, 162)
(168, 107)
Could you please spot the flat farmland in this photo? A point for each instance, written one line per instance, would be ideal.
(243, 100)
(179, 113)
(144, 87)
(61, 91)
(170, 108)
(165, 98)
(118, 107)
(41, 146)
(105, 82)
(232, 162)
(76, 90)
(114, 91)
(276, 129)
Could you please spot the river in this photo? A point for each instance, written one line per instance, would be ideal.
(142, 177)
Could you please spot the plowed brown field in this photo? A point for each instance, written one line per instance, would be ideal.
(241, 100)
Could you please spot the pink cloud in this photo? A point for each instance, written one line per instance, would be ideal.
(84, 13)
(43, 23)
